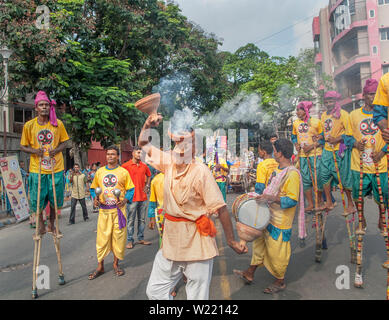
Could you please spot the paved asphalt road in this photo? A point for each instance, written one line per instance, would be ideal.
(305, 278)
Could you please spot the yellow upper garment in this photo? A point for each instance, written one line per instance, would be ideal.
(156, 189)
(47, 137)
(363, 128)
(283, 218)
(382, 95)
(220, 176)
(335, 127)
(108, 180)
(265, 169)
(304, 132)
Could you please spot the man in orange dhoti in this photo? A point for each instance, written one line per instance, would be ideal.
(191, 195)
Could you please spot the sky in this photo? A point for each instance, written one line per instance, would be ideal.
(239, 22)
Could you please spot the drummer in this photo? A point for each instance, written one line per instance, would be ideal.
(264, 172)
(273, 249)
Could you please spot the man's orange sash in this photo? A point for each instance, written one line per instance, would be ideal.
(205, 225)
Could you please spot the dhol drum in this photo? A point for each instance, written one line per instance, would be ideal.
(251, 217)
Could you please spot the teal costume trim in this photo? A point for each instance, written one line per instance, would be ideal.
(294, 138)
(275, 233)
(130, 195)
(287, 203)
(385, 149)
(92, 193)
(222, 187)
(259, 187)
(379, 113)
(152, 207)
(106, 167)
(349, 141)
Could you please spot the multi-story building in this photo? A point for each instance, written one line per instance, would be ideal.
(351, 40)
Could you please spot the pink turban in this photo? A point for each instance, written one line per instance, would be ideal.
(370, 86)
(333, 94)
(306, 105)
(42, 96)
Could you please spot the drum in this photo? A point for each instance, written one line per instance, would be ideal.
(251, 218)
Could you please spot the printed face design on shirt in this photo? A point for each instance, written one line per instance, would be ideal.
(45, 137)
(368, 127)
(303, 128)
(328, 125)
(110, 181)
(367, 157)
(46, 163)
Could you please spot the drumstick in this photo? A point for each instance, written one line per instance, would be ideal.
(345, 214)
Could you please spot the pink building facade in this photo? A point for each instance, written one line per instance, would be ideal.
(351, 39)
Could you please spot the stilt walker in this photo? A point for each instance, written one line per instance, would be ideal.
(350, 232)
(44, 138)
(358, 282)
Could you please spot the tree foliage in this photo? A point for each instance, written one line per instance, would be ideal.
(98, 57)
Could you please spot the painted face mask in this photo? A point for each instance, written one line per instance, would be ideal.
(45, 137)
(368, 127)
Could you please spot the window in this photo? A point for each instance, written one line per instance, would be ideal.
(351, 4)
(381, 2)
(375, 50)
(372, 13)
(385, 69)
(22, 115)
(384, 34)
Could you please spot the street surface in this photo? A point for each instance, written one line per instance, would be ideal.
(305, 278)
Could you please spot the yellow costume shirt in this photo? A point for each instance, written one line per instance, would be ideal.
(335, 127)
(382, 95)
(47, 137)
(156, 189)
(265, 169)
(304, 132)
(108, 180)
(363, 127)
(283, 218)
(220, 176)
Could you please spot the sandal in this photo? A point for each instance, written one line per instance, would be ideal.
(241, 275)
(274, 288)
(118, 271)
(95, 274)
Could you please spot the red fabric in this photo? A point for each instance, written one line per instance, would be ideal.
(205, 225)
(138, 175)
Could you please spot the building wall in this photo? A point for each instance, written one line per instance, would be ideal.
(383, 22)
(355, 54)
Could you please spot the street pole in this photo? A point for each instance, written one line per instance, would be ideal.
(5, 53)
